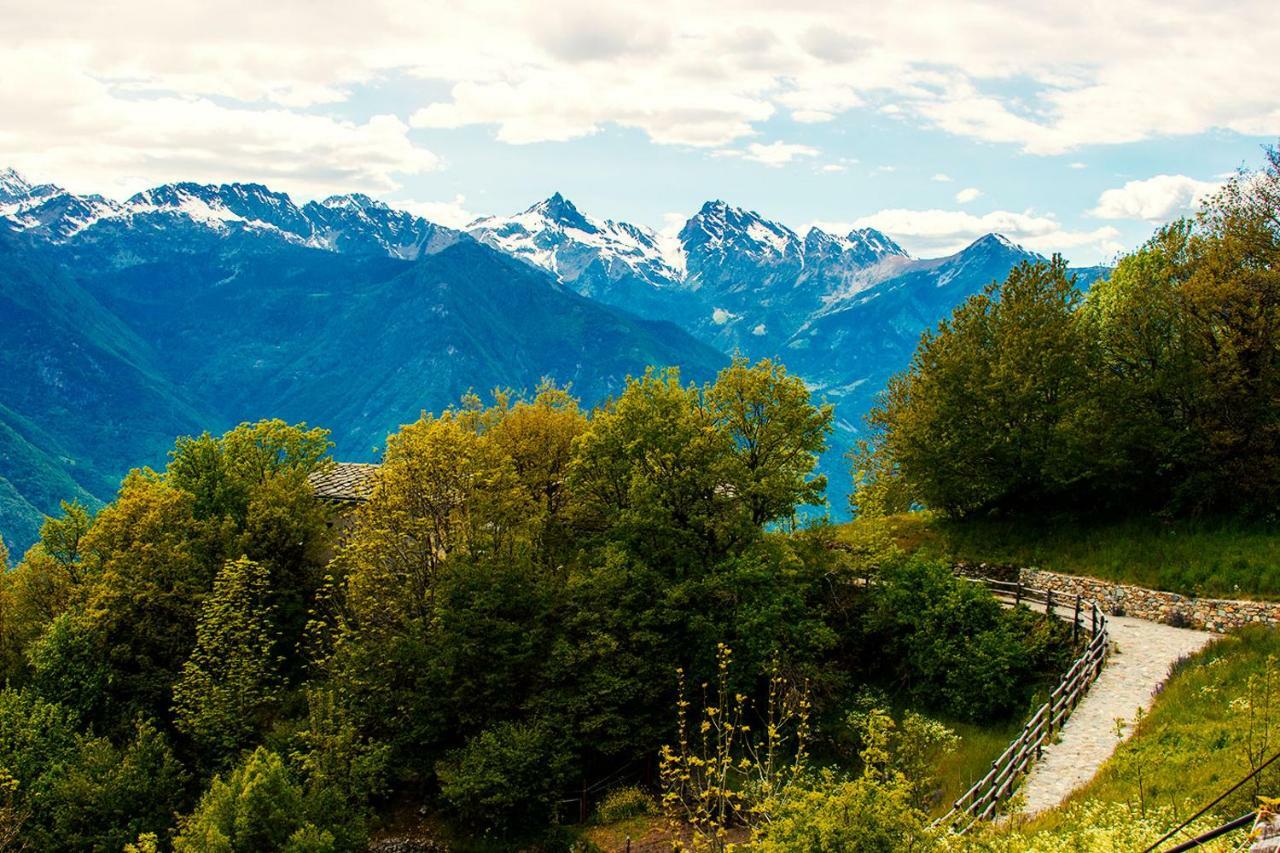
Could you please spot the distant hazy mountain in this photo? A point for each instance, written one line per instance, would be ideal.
(194, 306)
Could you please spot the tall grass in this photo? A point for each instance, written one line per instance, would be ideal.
(1210, 558)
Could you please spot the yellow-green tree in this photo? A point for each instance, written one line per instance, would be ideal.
(778, 433)
(230, 683)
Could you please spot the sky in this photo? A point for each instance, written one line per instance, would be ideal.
(1074, 127)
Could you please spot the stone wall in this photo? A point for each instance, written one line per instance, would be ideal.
(1213, 614)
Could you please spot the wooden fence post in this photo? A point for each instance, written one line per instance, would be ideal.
(1017, 592)
(1075, 623)
(1048, 603)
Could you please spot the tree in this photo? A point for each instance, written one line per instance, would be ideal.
(148, 554)
(655, 472)
(257, 806)
(108, 795)
(779, 435)
(507, 779)
(1150, 371)
(538, 436)
(1233, 293)
(222, 473)
(231, 681)
(67, 667)
(341, 770)
(990, 415)
(51, 578)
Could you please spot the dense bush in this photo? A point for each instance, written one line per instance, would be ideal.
(623, 803)
(257, 806)
(507, 779)
(951, 647)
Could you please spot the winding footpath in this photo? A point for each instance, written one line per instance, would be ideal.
(1140, 659)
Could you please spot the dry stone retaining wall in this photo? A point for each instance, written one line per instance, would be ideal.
(1209, 614)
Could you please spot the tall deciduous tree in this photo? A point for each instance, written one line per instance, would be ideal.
(987, 415)
(231, 680)
(778, 434)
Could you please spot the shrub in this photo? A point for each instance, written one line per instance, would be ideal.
(623, 803)
(109, 796)
(258, 806)
(506, 779)
(953, 648)
(852, 815)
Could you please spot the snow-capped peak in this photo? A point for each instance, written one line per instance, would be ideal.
(354, 201)
(560, 210)
(13, 186)
(994, 242)
(718, 226)
(874, 242)
(588, 253)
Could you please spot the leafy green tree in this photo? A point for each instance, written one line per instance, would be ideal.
(1150, 370)
(231, 681)
(51, 578)
(152, 573)
(991, 413)
(1233, 293)
(67, 667)
(342, 771)
(223, 473)
(258, 806)
(36, 738)
(655, 472)
(778, 433)
(108, 796)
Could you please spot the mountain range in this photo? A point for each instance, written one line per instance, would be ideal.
(190, 307)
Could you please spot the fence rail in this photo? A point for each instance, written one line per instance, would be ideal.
(983, 799)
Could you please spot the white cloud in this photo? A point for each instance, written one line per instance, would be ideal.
(91, 136)
(968, 194)
(720, 316)
(942, 178)
(932, 233)
(771, 154)
(1157, 199)
(96, 90)
(1077, 165)
(453, 213)
(833, 167)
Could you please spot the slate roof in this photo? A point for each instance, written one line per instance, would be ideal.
(345, 482)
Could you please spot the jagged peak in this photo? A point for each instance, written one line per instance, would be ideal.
(560, 210)
(10, 176)
(994, 241)
(877, 241)
(360, 201)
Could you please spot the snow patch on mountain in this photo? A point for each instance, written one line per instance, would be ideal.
(554, 235)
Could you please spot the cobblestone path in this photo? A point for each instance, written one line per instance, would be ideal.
(1139, 663)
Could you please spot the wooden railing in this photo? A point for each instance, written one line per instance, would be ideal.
(982, 801)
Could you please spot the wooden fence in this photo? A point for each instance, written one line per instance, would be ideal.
(982, 800)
